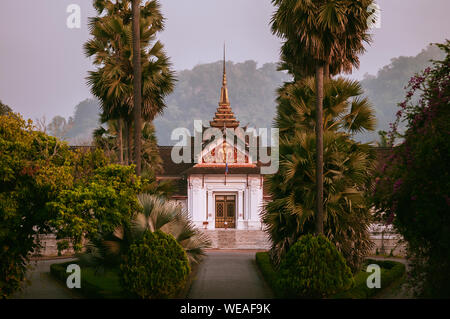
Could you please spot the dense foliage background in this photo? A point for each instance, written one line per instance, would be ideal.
(413, 189)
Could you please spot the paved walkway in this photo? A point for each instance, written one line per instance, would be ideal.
(229, 274)
(41, 285)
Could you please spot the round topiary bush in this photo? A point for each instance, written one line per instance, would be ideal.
(313, 268)
(155, 266)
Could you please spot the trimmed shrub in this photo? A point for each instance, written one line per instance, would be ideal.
(313, 268)
(391, 271)
(156, 266)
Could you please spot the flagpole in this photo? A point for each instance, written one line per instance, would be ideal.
(225, 153)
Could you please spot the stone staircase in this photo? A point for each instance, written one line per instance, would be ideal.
(238, 239)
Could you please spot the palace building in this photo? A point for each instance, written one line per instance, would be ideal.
(223, 197)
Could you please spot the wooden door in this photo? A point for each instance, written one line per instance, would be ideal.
(225, 211)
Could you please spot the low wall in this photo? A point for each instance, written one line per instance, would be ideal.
(49, 247)
(245, 239)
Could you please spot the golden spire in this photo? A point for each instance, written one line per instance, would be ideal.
(224, 116)
(224, 90)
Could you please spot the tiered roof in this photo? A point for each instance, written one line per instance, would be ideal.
(224, 117)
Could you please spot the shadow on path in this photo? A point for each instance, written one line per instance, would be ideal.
(42, 285)
(229, 274)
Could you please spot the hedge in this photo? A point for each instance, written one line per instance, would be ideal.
(390, 272)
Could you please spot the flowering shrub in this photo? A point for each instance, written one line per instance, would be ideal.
(413, 189)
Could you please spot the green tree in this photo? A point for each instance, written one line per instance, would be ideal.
(106, 139)
(320, 37)
(101, 203)
(347, 169)
(34, 169)
(413, 189)
(137, 84)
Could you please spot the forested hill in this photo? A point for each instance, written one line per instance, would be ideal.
(386, 89)
(252, 93)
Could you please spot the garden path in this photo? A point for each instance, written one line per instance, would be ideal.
(225, 274)
(42, 285)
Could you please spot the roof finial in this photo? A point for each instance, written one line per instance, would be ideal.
(224, 81)
(224, 90)
(224, 116)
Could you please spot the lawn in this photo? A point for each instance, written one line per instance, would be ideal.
(104, 284)
(391, 272)
(100, 285)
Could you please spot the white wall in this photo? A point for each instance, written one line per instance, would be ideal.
(249, 198)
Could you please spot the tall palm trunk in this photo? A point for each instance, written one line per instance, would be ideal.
(120, 138)
(326, 71)
(130, 142)
(137, 93)
(319, 149)
(125, 131)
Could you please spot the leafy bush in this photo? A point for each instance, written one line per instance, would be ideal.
(107, 200)
(391, 271)
(313, 268)
(62, 245)
(413, 189)
(156, 266)
(106, 250)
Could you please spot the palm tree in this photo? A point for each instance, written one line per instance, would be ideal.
(320, 35)
(112, 49)
(137, 92)
(157, 214)
(347, 167)
(108, 139)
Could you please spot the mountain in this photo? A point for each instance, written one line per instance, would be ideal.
(77, 130)
(387, 88)
(252, 93)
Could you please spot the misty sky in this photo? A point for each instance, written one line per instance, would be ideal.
(43, 69)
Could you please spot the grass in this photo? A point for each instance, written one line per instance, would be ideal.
(104, 285)
(268, 272)
(391, 273)
(98, 285)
